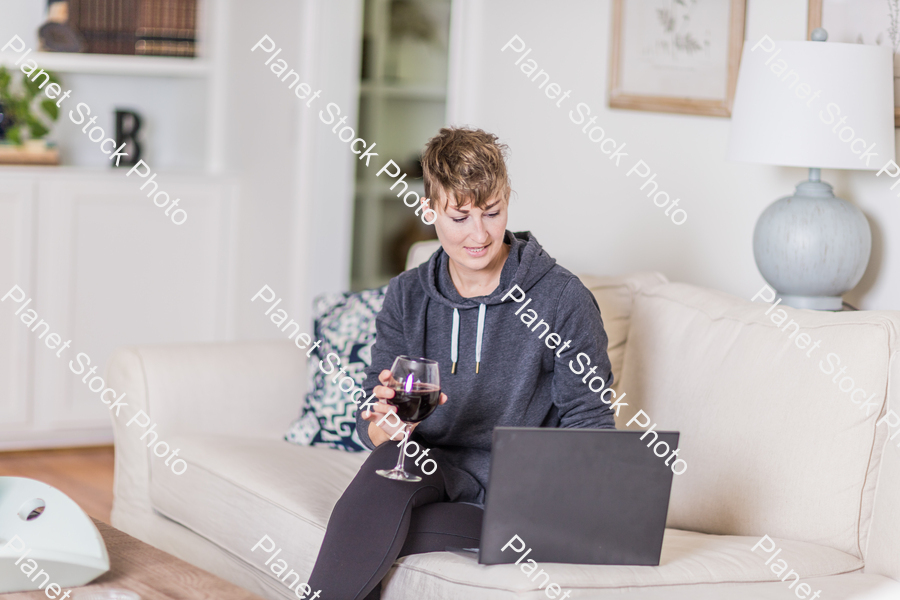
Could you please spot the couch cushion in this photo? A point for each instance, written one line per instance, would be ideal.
(687, 558)
(415, 585)
(345, 324)
(615, 296)
(421, 252)
(883, 555)
(237, 490)
(772, 445)
(241, 489)
(883, 550)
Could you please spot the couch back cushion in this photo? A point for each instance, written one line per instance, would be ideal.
(883, 555)
(615, 296)
(883, 550)
(772, 443)
(345, 323)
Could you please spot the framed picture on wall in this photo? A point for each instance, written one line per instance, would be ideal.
(679, 56)
(862, 22)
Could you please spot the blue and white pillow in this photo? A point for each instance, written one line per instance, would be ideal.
(346, 325)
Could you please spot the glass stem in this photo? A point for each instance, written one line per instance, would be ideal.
(406, 431)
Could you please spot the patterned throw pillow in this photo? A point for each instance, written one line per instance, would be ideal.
(346, 325)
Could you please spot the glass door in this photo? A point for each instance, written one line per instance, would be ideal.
(402, 104)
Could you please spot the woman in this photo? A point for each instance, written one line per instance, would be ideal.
(497, 369)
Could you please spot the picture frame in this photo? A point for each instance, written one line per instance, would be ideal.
(676, 56)
(862, 21)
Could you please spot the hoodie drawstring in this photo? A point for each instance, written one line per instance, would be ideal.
(481, 311)
(454, 339)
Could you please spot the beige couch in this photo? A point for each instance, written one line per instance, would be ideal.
(774, 448)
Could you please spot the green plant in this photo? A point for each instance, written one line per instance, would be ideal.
(22, 109)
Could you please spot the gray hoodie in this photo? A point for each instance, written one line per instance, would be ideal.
(521, 382)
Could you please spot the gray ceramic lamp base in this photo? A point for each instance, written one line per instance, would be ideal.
(812, 247)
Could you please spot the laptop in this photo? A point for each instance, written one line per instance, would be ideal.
(584, 496)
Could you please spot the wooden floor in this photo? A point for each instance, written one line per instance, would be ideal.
(83, 474)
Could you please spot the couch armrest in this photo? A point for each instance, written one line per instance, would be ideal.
(248, 389)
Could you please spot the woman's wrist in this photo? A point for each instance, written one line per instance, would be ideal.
(376, 434)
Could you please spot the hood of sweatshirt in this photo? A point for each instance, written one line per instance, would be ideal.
(526, 264)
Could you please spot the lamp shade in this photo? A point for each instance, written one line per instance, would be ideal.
(814, 104)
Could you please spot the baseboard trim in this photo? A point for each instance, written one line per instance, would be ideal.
(47, 440)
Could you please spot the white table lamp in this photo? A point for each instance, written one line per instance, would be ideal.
(817, 105)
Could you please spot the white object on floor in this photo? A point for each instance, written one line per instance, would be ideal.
(38, 523)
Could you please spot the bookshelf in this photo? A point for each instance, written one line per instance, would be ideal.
(182, 99)
(402, 103)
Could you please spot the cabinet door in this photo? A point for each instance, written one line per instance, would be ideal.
(114, 270)
(16, 243)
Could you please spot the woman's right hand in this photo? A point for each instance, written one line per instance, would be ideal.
(386, 429)
(380, 433)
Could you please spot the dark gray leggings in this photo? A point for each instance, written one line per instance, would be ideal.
(378, 520)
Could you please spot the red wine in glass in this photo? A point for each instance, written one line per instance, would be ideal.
(417, 392)
(416, 404)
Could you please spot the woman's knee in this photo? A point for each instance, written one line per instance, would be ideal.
(382, 456)
(415, 461)
(370, 488)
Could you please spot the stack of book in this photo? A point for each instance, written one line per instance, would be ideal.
(149, 27)
(167, 28)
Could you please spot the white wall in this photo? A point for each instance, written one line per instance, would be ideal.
(22, 18)
(296, 177)
(324, 174)
(584, 210)
(260, 149)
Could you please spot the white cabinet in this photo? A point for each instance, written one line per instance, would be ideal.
(105, 268)
(16, 258)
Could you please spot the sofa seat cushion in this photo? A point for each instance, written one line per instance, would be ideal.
(687, 558)
(415, 585)
(773, 444)
(241, 489)
(237, 490)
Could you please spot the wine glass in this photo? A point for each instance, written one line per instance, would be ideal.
(417, 392)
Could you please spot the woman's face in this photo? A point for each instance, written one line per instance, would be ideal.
(470, 236)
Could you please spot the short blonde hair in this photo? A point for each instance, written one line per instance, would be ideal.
(468, 163)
